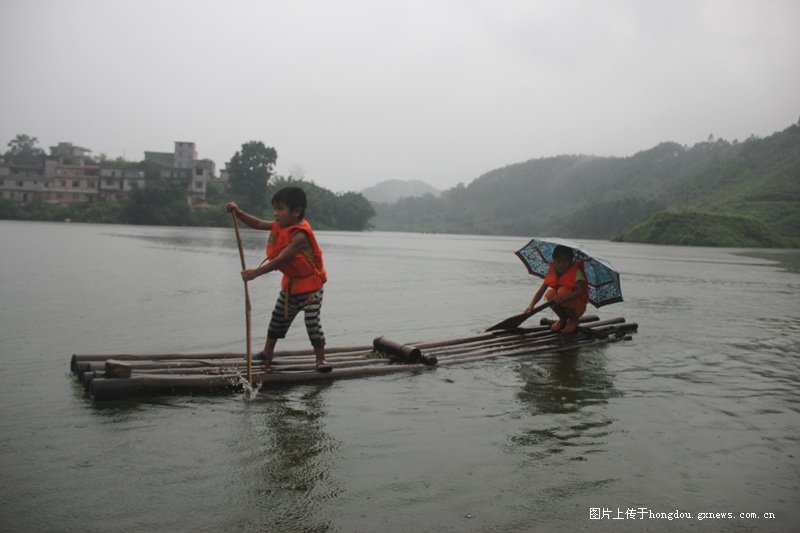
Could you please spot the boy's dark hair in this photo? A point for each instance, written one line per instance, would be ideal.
(291, 197)
(563, 252)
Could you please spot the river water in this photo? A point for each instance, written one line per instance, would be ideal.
(697, 414)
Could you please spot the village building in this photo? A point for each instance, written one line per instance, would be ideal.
(70, 176)
(26, 181)
(116, 183)
(182, 165)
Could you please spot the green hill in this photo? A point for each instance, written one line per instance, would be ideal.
(596, 197)
(696, 228)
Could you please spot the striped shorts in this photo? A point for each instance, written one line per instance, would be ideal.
(310, 303)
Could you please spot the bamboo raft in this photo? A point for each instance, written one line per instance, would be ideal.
(121, 376)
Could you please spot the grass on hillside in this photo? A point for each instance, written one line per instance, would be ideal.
(699, 228)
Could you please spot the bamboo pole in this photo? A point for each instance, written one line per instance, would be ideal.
(247, 308)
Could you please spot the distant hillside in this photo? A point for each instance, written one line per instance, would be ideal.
(392, 190)
(595, 197)
(696, 228)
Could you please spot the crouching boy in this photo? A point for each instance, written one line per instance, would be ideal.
(565, 285)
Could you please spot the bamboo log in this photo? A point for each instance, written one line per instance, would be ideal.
(201, 367)
(506, 339)
(630, 327)
(492, 335)
(77, 358)
(329, 351)
(305, 366)
(302, 377)
(116, 389)
(594, 324)
(516, 336)
(505, 348)
(523, 344)
(103, 389)
(118, 369)
(86, 379)
(84, 363)
(528, 350)
(82, 367)
(518, 351)
(547, 321)
(404, 352)
(525, 337)
(231, 363)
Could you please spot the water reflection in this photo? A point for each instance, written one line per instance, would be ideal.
(561, 393)
(563, 383)
(290, 474)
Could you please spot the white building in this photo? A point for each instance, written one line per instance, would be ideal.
(182, 164)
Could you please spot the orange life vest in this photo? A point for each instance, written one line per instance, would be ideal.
(567, 279)
(305, 272)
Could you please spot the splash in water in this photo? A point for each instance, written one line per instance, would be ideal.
(250, 391)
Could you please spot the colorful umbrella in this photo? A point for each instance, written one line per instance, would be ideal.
(603, 279)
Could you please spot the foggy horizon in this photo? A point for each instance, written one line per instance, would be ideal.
(355, 92)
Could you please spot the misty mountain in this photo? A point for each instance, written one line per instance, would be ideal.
(601, 197)
(390, 191)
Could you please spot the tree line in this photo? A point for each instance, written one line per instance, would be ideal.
(583, 196)
(163, 201)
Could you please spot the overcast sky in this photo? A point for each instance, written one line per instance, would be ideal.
(353, 92)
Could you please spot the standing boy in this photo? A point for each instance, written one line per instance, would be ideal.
(565, 285)
(292, 248)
